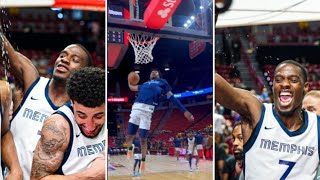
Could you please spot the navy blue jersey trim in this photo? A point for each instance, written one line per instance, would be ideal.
(301, 130)
(48, 98)
(255, 132)
(25, 97)
(67, 154)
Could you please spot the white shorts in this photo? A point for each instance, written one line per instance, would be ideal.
(141, 118)
(195, 152)
(138, 156)
(199, 146)
(177, 149)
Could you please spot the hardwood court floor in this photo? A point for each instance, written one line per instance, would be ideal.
(161, 168)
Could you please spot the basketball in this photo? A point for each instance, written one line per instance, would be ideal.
(133, 78)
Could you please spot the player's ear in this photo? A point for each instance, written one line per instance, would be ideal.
(306, 88)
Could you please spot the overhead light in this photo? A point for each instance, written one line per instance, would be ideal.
(185, 25)
(56, 9)
(192, 17)
(201, 7)
(167, 69)
(188, 21)
(60, 15)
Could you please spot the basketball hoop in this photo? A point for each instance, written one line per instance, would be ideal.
(142, 45)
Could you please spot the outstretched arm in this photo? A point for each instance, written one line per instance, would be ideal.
(176, 102)
(8, 149)
(241, 101)
(20, 66)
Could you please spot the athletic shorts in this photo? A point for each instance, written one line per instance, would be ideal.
(138, 156)
(177, 149)
(141, 118)
(195, 152)
(199, 146)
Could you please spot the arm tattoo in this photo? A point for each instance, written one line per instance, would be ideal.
(48, 156)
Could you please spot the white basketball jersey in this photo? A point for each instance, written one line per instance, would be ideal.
(191, 143)
(27, 122)
(273, 152)
(81, 150)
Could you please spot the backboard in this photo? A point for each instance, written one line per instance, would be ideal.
(192, 20)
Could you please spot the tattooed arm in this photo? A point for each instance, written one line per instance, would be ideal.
(50, 150)
(51, 147)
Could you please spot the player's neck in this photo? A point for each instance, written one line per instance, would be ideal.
(58, 93)
(293, 122)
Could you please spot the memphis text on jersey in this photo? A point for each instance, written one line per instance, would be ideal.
(91, 149)
(285, 147)
(34, 115)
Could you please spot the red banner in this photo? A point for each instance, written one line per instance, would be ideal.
(92, 5)
(159, 12)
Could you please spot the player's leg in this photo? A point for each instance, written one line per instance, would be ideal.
(138, 174)
(134, 167)
(177, 153)
(197, 157)
(145, 123)
(190, 161)
(133, 126)
(144, 147)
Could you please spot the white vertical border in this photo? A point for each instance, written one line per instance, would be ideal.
(213, 85)
(106, 85)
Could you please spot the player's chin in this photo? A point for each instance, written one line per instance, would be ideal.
(91, 134)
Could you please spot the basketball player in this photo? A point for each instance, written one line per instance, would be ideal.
(137, 156)
(199, 141)
(72, 142)
(280, 140)
(42, 96)
(149, 94)
(192, 150)
(177, 146)
(8, 149)
(311, 102)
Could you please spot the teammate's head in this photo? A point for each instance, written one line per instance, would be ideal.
(155, 74)
(237, 141)
(86, 88)
(71, 58)
(289, 87)
(311, 102)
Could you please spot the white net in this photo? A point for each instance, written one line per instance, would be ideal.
(142, 45)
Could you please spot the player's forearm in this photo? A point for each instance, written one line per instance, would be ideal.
(178, 104)
(9, 155)
(84, 175)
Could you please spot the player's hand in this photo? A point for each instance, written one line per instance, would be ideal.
(189, 116)
(97, 169)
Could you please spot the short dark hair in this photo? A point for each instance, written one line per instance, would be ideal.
(87, 86)
(303, 69)
(236, 124)
(89, 57)
(156, 69)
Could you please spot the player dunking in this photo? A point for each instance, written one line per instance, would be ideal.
(280, 140)
(149, 94)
